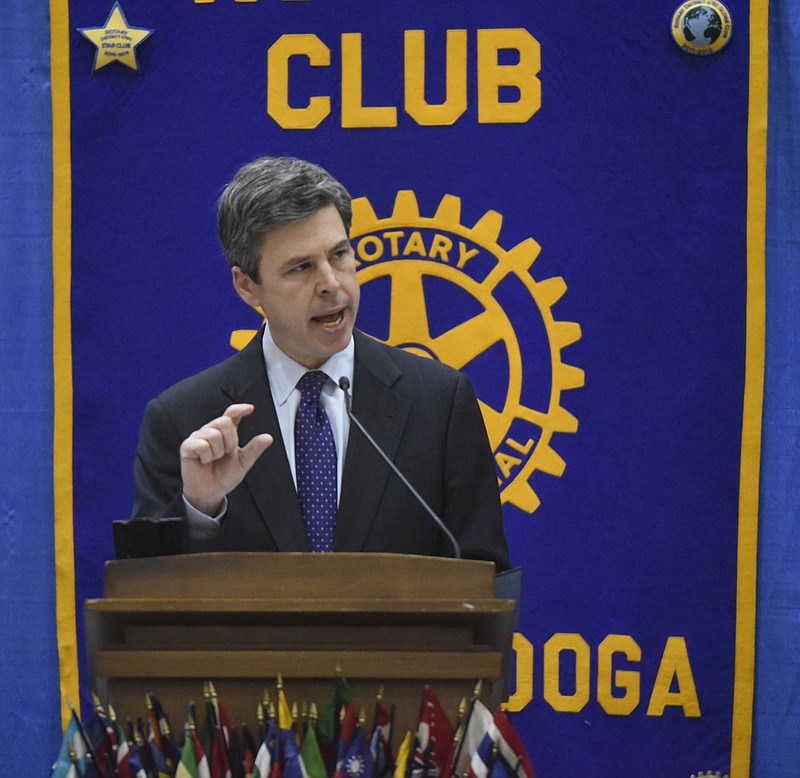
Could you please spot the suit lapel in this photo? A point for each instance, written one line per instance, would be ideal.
(383, 413)
(269, 481)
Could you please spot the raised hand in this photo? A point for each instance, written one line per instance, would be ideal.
(212, 462)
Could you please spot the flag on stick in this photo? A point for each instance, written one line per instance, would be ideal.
(474, 728)
(328, 726)
(357, 759)
(264, 757)
(380, 742)
(194, 763)
(500, 753)
(403, 756)
(312, 756)
(434, 738)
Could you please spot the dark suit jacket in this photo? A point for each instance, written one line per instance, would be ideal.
(422, 413)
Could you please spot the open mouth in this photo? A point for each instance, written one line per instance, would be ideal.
(330, 320)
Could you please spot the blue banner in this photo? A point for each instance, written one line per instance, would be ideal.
(560, 201)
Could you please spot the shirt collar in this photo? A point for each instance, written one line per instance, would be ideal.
(284, 372)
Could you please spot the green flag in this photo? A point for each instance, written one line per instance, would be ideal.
(187, 768)
(328, 723)
(193, 759)
(312, 757)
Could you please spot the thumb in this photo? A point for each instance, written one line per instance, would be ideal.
(254, 449)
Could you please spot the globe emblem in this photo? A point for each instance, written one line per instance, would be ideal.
(702, 26)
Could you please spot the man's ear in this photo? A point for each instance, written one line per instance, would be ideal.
(245, 286)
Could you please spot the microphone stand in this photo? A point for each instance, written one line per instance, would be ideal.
(344, 385)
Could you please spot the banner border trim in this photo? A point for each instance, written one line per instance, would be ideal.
(62, 362)
(755, 330)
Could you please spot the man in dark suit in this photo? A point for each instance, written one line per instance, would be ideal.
(219, 448)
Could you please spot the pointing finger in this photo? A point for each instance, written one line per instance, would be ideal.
(254, 449)
(237, 411)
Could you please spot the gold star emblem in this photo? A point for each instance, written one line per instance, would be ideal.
(116, 40)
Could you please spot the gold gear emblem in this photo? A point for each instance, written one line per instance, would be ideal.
(408, 249)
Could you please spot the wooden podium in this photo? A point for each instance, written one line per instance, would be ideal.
(166, 624)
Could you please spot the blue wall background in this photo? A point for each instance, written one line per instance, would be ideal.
(777, 682)
(29, 683)
(29, 688)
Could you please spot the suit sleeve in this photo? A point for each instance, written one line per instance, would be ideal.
(157, 472)
(472, 498)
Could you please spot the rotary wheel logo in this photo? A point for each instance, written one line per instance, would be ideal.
(435, 287)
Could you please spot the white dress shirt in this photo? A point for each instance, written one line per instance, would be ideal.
(284, 373)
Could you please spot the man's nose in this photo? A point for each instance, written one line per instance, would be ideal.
(328, 280)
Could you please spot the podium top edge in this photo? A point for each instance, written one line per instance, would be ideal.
(299, 574)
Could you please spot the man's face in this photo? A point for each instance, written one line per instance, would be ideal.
(308, 288)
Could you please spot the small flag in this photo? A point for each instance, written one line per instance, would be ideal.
(501, 753)
(380, 742)
(404, 755)
(312, 756)
(71, 752)
(328, 725)
(478, 721)
(293, 766)
(434, 738)
(347, 728)
(103, 737)
(264, 756)
(357, 759)
(249, 751)
(194, 763)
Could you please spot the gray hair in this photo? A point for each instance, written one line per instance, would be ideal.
(270, 192)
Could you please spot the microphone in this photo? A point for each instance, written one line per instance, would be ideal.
(344, 385)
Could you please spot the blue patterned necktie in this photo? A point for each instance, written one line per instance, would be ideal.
(315, 463)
